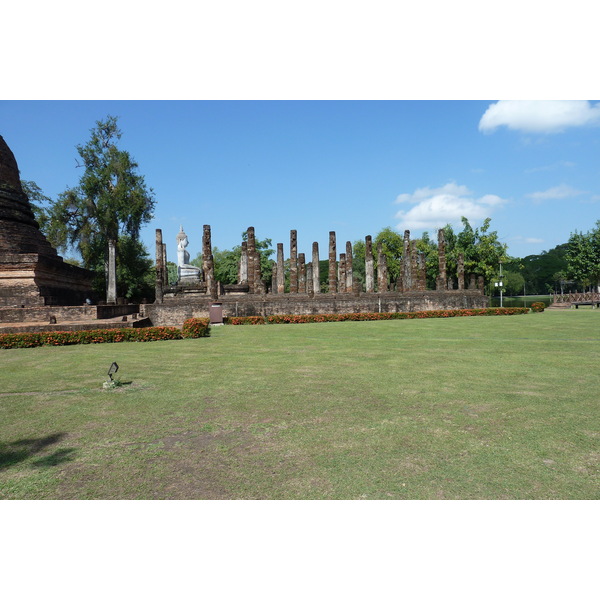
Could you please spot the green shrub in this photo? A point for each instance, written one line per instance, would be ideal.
(196, 328)
(91, 336)
(245, 320)
(538, 307)
(425, 314)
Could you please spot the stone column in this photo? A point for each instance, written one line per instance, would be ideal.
(274, 279)
(414, 265)
(481, 284)
(349, 274)
(280, 270)
(293, 262)
(460, 271)
(255, 281)
(472, 281)
(243, 272)
(165, 268)
(382, 274)
(208, 265)
(369, 268)
(111, 289)
(160, 267)
(421, 272)
(301, 273)
(316, 282)
(407, 280)
(251, 246)
(342, 274)
(441, 281)
(332, 264)
(310, 290)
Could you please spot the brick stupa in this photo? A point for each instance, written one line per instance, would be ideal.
(31, 272)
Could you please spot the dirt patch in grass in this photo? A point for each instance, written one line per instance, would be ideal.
(193, 465)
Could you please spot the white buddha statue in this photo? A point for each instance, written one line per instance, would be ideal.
(184, 269)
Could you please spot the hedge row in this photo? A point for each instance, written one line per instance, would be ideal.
(424, 314)
(192, 328)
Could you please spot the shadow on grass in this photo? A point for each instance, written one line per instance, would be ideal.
(19, 451)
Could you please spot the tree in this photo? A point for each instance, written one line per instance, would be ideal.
(539, 270)
(513, 283)
(482, 250)
(40, 203)
(583, 256)
(392, 244)
(106, 210)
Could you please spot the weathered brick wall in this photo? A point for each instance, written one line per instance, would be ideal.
(174, 313)
(42, 314)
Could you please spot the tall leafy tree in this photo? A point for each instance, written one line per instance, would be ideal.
(481, 248)
(583, 256)
(107, 208)
(392, 244)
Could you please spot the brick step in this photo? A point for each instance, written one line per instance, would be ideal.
(74, 326)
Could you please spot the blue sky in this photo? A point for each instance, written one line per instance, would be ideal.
(353, 167)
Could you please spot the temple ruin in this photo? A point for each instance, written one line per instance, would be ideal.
(31, 272)
(302, 293)
(33, 276)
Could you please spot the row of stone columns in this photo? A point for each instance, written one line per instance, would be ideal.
(305, 277)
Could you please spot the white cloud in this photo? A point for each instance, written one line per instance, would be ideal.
(552, 167)
(527, 240)
(434, 208)
(560, 192)
(539, 116)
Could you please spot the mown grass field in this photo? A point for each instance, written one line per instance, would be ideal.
(462, 408)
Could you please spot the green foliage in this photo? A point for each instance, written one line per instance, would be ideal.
(358, 262)
(245, 320)
(513, 283)
(379, 316)
(583, 256)
(543, 272)
(40, 203)
(111, 203)
(90, 336)
(429, 249)
(196, 328)
(481, 248)
(392, 244)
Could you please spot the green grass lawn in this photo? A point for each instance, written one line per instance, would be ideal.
(461, 408)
